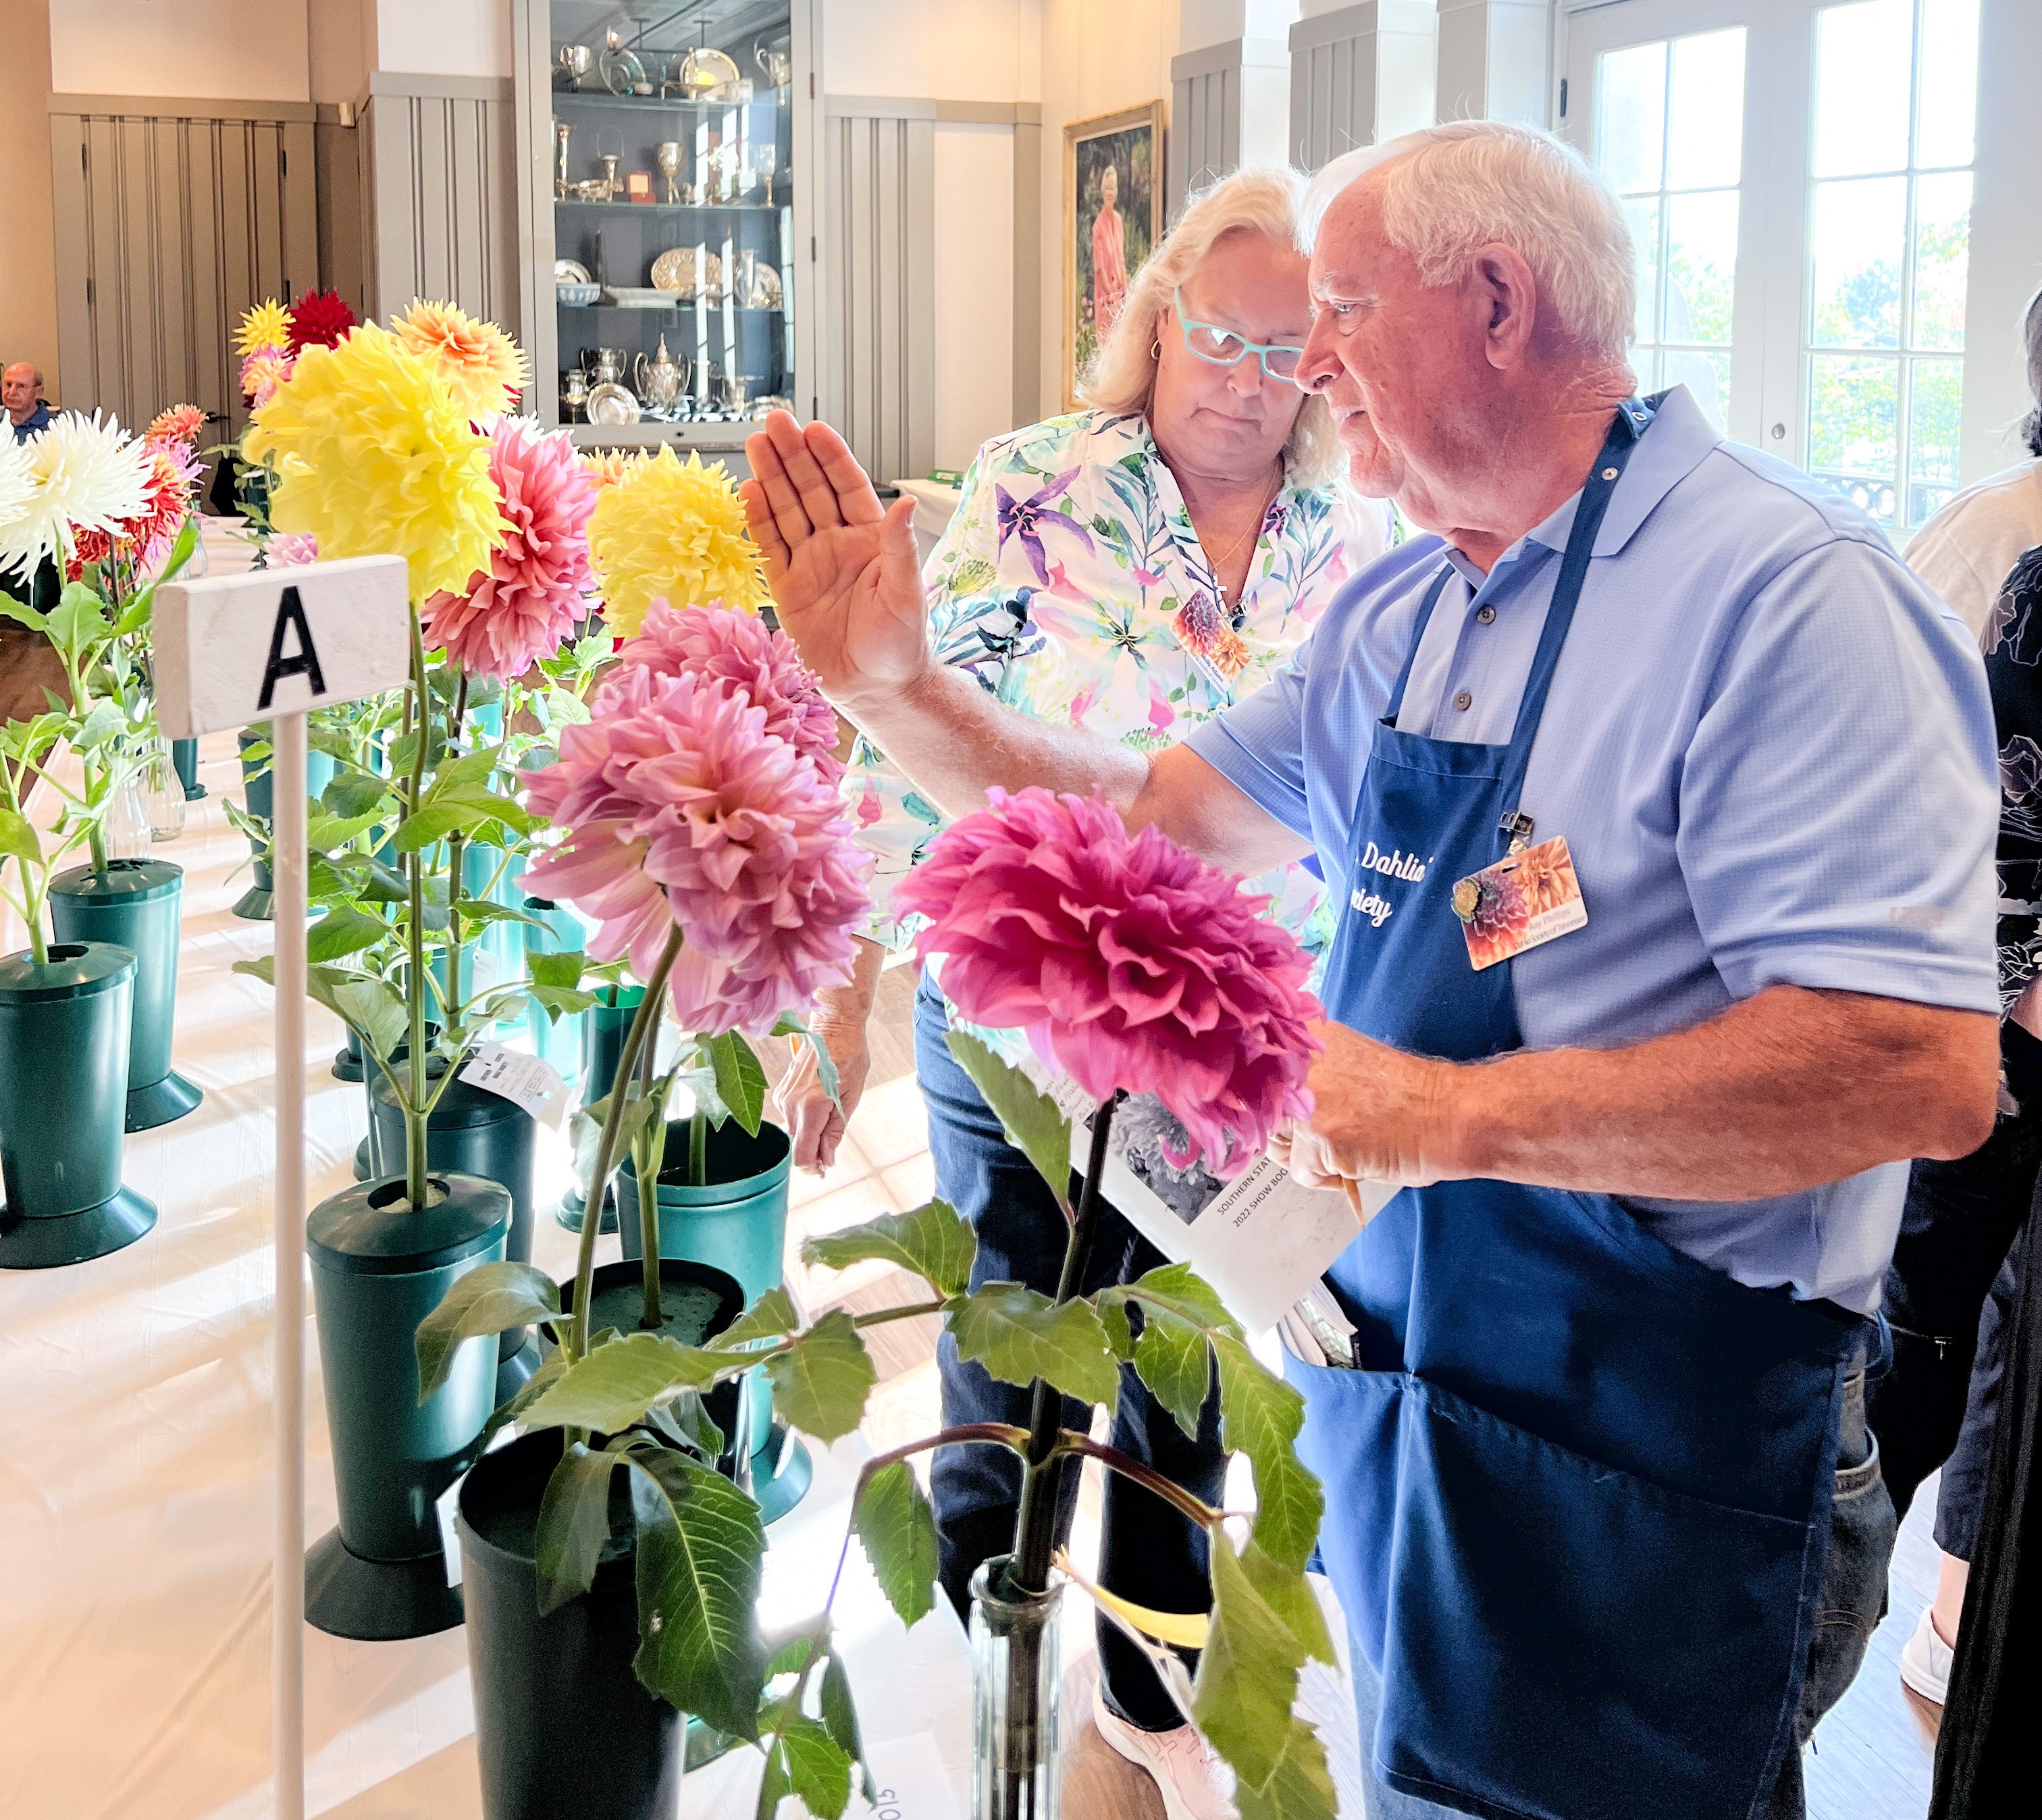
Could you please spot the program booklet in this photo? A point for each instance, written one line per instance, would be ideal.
(1263, 1240)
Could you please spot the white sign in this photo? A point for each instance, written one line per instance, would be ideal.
(528, 1082)
(233, 649)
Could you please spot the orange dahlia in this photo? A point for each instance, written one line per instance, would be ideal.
(482, 366)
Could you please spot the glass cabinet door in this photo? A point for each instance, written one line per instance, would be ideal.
(672, 200)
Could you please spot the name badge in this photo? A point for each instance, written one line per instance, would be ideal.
(1523, 901)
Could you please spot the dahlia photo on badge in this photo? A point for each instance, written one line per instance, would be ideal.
(1523, 899)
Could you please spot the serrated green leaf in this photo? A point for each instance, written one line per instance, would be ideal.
(897, 1530)
(481, 910)
(1174, 1359)
(557, 1004)
(1178, 1289)
(551, 1369)
(105, 720)
(774, 1786)
(585, 1132)
(932, 1241)
(1113, 1317)
(1032, 1124)
(574, 1524)
(821, 1382)
(490, 1298)
(613, 1386)
(562, 970)
(685, 1422)
(1302, 1788)
(700, 1549)
(1288, 1594)
(341, 931)
(771, 1317)
(840, 1715)
(813, 1767)
(740, 1079)
(352, 794)
(18, 839)
(1259, 1417)
(1018, 1335)
(790, 1657)
(372, 1006)
(1247, 1681)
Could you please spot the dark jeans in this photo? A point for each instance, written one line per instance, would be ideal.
(1948, 1292)
(1853, 1599)
(1148, 1553)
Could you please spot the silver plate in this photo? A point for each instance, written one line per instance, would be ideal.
(611, 403)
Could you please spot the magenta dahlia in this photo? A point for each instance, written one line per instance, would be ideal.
(1128, 963)
(536, 589)
(739, 654)
(682, 811)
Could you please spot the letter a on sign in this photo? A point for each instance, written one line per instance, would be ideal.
(279, 641)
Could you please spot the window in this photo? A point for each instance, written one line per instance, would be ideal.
(1669, 134)
(1895, 85)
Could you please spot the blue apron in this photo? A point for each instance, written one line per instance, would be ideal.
(1578, 1497)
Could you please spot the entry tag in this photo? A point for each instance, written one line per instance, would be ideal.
(528, 1082)
(1523, 899)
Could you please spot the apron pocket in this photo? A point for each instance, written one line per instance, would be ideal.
(1561, 1634)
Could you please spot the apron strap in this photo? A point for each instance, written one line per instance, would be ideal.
(1417, 638)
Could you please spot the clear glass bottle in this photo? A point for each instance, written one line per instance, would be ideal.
(1016, 1682)
(162, 791)
(127, 833)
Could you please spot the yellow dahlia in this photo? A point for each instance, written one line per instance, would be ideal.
(667, 531)
(373, 456)
(608, 466)
(483, 367)
(264, 326)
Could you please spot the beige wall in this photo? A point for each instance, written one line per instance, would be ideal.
(28, 264)
(210, 50)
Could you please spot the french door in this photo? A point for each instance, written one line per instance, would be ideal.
(1798, 178)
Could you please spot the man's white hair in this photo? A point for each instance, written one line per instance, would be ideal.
(1448, 191)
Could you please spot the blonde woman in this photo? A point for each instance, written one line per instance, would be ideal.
(1131, 569)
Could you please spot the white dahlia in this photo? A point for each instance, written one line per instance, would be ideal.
(85, 474)
(17, 493)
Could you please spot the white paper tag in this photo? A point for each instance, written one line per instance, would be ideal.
(527, 1081)
(913, 1784)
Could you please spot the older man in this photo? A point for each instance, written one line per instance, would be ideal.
(22, 392)
(1669, 793)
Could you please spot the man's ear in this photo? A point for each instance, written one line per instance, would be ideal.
(1509, 295)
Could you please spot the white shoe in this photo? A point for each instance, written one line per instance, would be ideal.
(1194, 1782)
(1925, 1662)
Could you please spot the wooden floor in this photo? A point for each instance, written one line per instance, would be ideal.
(28, 666)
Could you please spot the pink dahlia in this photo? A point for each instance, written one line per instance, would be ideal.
(261, 372)
(535, 589)
(290, 550)
(737, 653)
(1128, 963)
(181, 423)
(682, 810)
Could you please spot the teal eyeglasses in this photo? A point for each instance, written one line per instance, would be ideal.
(1227, 347)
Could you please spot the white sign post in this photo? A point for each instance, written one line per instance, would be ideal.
(271, 646)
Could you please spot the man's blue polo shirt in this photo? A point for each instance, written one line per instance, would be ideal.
(33, 424)
(1770, 748)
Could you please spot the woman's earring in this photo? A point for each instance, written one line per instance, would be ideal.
(1155, 348)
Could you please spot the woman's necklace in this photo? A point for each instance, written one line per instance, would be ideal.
(1216, 560)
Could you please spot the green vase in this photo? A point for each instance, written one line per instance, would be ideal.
(737, 1223)
(184, 755)
(603, 1029)
(258, 903)
(64, 1026)
(135, 905)
(559, 1041)
(379, 1269)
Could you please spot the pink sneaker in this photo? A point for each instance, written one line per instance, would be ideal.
(1194, 1782)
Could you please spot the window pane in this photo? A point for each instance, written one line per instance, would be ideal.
(1864, 54)
(1935, 422)
(1642, 213)
(1949, 82)
(1630, 115)
(1942, 249)
(1705, 375)
(1701, 265)
(1860, 229)
(1705, 125)
(1854, 428)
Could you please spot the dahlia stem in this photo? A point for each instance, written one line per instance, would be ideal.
(416, 1189)
(698, 1149)
(648, 1152)
(456, 844)
(646, 1019)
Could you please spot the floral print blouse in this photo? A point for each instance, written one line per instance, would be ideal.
(1071, 584)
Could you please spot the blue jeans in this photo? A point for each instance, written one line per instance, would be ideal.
(1148, 1552)
(1852, 1600)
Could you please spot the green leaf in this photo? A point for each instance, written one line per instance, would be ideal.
(1248, 1673)
(1180, 1313)
(821, 1383)
(105, 720)
(740, 1080)
(557, 1004)
(562, 970)
(13, 609)
(551, 1369)
(771, 1317)
(372, 1006)
(1176, 1289)
(490, 1298)
(353, 793)
(685, 1422)
(934, 1241)
(1174, 1359)
(1302, 1788)
(700, 1547)
(789, 1657)
(1033, 1125)
(1018, 1335)
(481, 910)
(343, 931)
(1288, 1594)
(574, 1524)
(1259, 1417)
(898, 1529)
(804, 1761)
(18, 839)
(613, 1386)
(327, 835)
(840, 1721)
(585, 1130)
(77, 622)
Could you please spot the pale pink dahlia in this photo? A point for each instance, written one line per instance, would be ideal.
(261, 372)
(681, 810)
(535, 589)
(1128, 963)
(737, 653)
(290, 550)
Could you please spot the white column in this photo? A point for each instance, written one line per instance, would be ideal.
(1359, 74)
(1495, 60)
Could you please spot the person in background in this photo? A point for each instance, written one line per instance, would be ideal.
(1109, 257)
(22, 392)
(1949, 1291)
(1130, 570)
(1965, 552)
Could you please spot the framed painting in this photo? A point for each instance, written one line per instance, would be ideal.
(1113, 215)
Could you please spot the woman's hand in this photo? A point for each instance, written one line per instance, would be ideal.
(843, 571)
(814, 1121)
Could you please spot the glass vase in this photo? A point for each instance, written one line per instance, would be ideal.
(1016, 1680)
(162, 791)
(127, 833)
